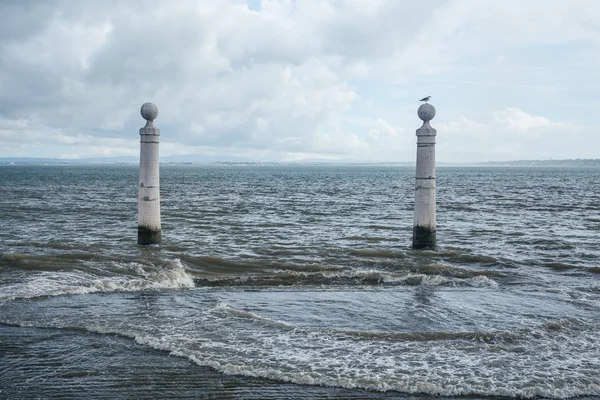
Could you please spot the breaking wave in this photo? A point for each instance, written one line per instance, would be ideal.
(46, 283)
(537, 361)
(439, 364)
(344, 277)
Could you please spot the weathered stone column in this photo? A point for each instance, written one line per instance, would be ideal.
(424, 222)
(149, 189)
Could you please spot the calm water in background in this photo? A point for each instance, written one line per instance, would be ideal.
(299, 282)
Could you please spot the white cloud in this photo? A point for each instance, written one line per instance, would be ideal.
(464, 128)
(512, 133)
(515, 120)
(382, 129)
(323, 78)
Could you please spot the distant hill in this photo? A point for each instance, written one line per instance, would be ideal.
(198, 159)
(36, 161)
(577, 162)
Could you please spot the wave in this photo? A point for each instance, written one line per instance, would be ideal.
(372, 362)
(45, 283)
(487, 337)
(460, 256)
(350, 277)
(556, 359)
(456, 272)
(562, 266)
(584, 296)
(226, 308)
(378, 253)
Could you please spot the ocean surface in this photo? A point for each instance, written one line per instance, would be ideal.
(276, 282)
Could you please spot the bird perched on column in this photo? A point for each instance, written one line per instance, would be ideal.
(425, 99)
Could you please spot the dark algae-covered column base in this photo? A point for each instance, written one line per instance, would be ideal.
(423, 238)
(148, 236)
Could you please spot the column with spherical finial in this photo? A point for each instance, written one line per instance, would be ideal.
(424, 221)
(149, 189)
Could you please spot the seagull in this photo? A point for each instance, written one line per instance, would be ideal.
(425, 99)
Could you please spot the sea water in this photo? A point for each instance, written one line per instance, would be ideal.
(299, 282)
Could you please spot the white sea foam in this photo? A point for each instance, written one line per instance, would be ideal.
(482, 281)
(433, 280)
(46, 283)
(558, 359)
(554, 360)
(589, 296)
(446, 368)
(385, 277)
(438, 280)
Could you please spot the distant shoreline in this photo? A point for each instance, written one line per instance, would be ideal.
(134, 161)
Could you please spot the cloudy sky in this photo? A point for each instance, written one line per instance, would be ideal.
(304, 79)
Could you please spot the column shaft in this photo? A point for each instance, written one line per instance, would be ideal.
(424, 224)
(149, 230)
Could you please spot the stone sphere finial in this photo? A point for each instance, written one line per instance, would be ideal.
(149, 111)
(426, 112)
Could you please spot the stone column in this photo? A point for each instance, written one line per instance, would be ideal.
(149, 189)
(424, 221)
